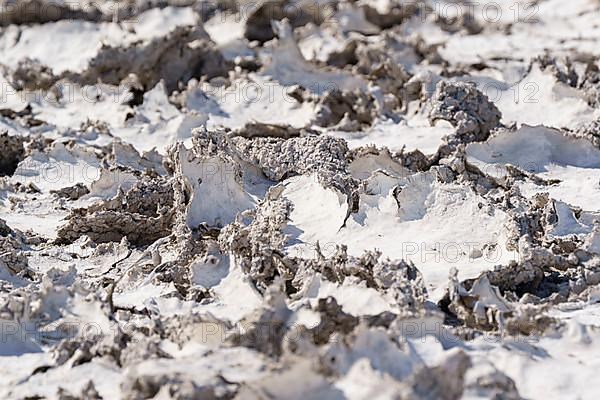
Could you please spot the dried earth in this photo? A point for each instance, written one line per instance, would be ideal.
(294, 199)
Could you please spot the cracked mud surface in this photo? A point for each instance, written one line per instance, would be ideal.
(292, 200)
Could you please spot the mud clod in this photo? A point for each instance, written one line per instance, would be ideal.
(466, 108)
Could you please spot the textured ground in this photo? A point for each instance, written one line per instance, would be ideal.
(299, 199)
